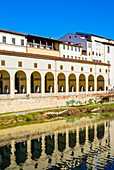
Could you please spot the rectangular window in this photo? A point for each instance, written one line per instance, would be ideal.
(85, 58)
(2, 62)
(108, 49)
(13, 40)
(81, 68)
(100, 70)
(63, 56)
(92, 52)
(75, 48)
(78, 49)
(4, 39)
(75, 57)
(22, 42)
(67, 47)
(49, 66)
(35, 65)
(72, 68)
(63, 46)
(106, 71)
(78, 58)
(90, 69)
(19, 63)
(61, 67)
(72, 57)
(82, 58)
(72, 48)
(67, 56)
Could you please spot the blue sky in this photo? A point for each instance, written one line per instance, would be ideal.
(56, 18)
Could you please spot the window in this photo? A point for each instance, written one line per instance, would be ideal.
(108, 49)
(75, 49)
(49, 66)
(78, 49)
(63, 46)
(82, 58)
(72, 68)
(106, 70)
(78, 58)
(92, 52)
(4, 39)
(72, 57)
(93, 60)
(61, 67)
(81, 68)
(90, 69)
(72, 48)
(63, 56)
(69, 36)
(13, 40)
(22, 42)
(99, 54)
(108, 62)
(100, 61)
(96, 53)
(75, 57)
(2, 62)
(35, 65)
(20, 64)
(100, 70)
(67, 47)
(89, 53)
(67, 56)
(85, 58)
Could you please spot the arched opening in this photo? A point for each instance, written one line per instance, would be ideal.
(82, 136)
(5, 154)
(35, 82)
(100, 131)
(49, 144)
(21, 152)
(61, 142)
(36, 148)
(61, 83)
(49, 83)
(4, 82)
(72, 139)
(100, 83)
(20, 82)
(91, 134)
(82, 83)
(91, 83)
(72, 83)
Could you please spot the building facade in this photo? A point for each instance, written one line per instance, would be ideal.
(39, 66)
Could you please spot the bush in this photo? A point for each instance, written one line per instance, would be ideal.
(105, 99)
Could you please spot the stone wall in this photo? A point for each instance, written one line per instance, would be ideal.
(22, 104)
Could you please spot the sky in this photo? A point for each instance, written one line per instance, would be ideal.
(49, 18)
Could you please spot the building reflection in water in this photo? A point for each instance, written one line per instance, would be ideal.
(70, 148)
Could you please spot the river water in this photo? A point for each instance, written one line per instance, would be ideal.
(83, 146)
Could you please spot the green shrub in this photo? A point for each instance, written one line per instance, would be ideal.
(105, 99)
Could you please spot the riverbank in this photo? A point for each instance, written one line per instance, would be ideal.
(95, 110)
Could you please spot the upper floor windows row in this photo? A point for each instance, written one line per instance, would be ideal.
(13, 41)
(71, 48)
(96, 53)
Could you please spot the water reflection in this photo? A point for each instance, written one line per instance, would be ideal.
(83, 147)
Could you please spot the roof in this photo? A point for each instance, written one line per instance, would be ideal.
(28, 35)
(30, 55)
(79, 33)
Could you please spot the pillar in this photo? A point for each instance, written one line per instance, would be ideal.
(77, 85)
(12, 86)
(95, 84)
(67, 85)
(87, 84)
(42, 85)
(40, 43)
(13, 159)
(67, 139)
(77, 135)
(55, 86)
(28, 85)
(52, 45)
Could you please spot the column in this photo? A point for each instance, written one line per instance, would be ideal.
(86, 133)
(28, 85)
(67, 139)
(55, 86)
(12, 86)
(28, 151)
(43, 145)
(77, 135)
(77, 85)
(87, 84)
(42, 85)
(33, 42)
(67, 85)
(40, 43)
(46, 44)
(13, 159)
(52, 45)
(95, 85)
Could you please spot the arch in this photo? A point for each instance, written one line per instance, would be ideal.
(36, 148)
(61, 82)
(91, 83)
(72, 83)
(21, 152)
(35, 82)
(49, 144)
(82, 83)
(100, 83)
(72, 139)
(49, 83)
(61, 142)
(4, 82)
(20, 82)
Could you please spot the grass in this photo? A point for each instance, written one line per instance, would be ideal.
(9, 121)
